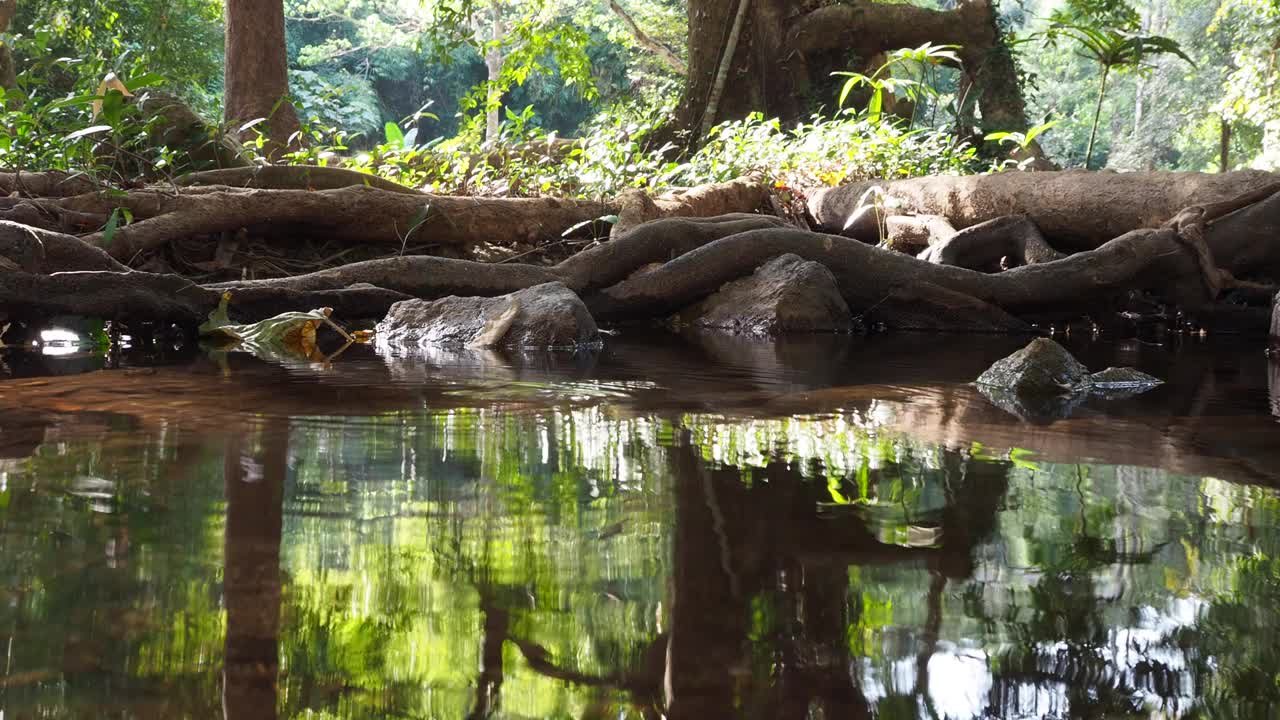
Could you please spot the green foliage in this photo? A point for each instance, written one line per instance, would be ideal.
(338, 99)
(64, 51)
(828, 151)
(1112, 49)
(882, 82)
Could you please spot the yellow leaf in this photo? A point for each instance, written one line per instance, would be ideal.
(110, 82)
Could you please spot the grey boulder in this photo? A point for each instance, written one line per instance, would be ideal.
(788, 294)
(1043, 382)
(544, 316)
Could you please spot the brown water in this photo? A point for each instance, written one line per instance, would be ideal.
(688, 528)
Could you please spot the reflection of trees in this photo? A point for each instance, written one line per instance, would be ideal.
(757, 559)
(1069, 655)
(254, 484)
(1236, 658)
(565, 561)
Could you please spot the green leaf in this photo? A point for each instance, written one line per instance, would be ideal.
(137, 82)
(69, 102)
(1037, 130)
(875, 106)
(113, 224)
(217, 318)
(393, 134)
(284, 336)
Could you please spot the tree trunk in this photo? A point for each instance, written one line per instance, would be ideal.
(1224, 146)
(8, 73)
(493, 60)
(256, 76)
(785, 53)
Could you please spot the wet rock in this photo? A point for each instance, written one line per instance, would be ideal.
(1121, 382)
(1043, 367)
(785, 295)
(1043, 382)
(543, 316)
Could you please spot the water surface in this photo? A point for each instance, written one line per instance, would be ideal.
(694, 527)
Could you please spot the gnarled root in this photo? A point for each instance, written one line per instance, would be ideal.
(993, 245)
(663, 266)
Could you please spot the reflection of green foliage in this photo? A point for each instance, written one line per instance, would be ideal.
(1242, 679)
(403, 531)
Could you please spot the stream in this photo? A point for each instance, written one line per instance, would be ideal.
(675, 526)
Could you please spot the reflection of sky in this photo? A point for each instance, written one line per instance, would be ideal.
(58, 342)
(960, 679)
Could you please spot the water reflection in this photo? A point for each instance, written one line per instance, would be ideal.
(559, 539)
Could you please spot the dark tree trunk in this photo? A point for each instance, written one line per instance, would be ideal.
(257, 75)
(786, 52)
(8, 73)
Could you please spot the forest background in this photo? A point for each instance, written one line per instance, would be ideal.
(401, 88)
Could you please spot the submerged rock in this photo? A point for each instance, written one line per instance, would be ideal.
(1043, 382)
(543, 316)
(785, 295)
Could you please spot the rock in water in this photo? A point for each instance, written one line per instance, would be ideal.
(785, 295)
(1120, 382)
(1043, 367)
(544, 316)
(1043, 382)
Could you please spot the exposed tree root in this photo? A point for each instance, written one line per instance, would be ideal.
(40, 251)
(660, 267)
(291, 177)
(50, 183)
(1013, 239)
(357, 214)
(912, 233)
(172, 298)
(358, 209)
(735, 196)
(600, 266)
(1076, 210)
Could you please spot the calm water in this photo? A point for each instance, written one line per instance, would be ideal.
(678, 527)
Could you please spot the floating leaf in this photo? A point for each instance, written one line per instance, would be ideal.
(289, 335)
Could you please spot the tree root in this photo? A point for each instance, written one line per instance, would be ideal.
(1014, 240)
(607, 263)
(172, 298)
(357, 214)
(291, 177)
(1076, 210)
(50, 183)
(41, 251)
(663, 266)
(743, 195)
(357, 209)
(912, 233)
